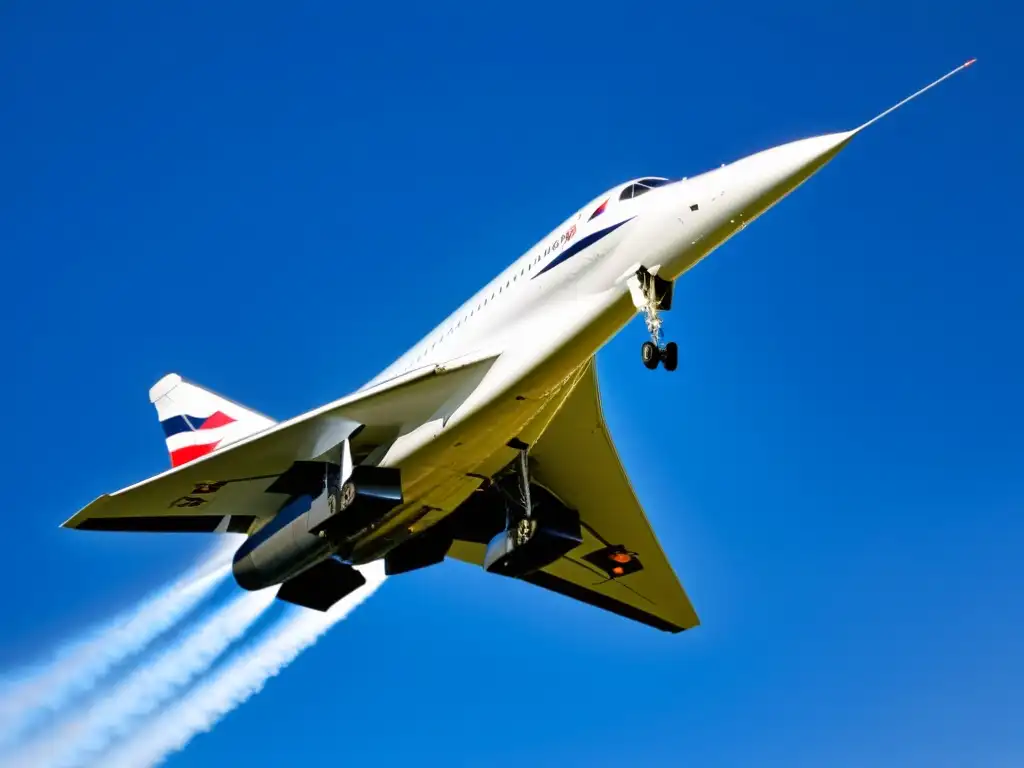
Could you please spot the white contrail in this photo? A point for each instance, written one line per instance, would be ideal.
(241, 677)
(29, 696)
(142, 692)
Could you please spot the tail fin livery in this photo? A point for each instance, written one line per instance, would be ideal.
(197, 421)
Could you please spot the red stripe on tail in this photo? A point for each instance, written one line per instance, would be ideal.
(218, 419)
(190, 453)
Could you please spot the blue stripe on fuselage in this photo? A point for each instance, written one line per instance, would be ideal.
(579, 245)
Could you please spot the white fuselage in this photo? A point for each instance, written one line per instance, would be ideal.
(551, 310)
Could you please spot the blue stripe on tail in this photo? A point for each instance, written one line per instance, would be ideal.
(178, 424)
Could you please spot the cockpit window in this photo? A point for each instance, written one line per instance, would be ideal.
(640, 187)
(634, 190)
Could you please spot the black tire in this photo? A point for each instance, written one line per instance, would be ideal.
(671, 356)
(650, 354)
(346, 496)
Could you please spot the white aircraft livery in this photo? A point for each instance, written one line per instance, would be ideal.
(485, 442)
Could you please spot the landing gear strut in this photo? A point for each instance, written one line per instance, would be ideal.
(533, 538)
(655, 295)
(520, 524)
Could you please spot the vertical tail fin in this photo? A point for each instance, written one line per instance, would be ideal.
(197, 421)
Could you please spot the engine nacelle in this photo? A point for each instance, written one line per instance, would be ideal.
(319, 516)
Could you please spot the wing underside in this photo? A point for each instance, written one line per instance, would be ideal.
(620, 566)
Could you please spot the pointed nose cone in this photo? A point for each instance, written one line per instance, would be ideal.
(768, 176)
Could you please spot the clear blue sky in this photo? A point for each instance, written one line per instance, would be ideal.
(277, 199)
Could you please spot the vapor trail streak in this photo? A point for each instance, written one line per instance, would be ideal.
(76, 740)
(28, 696)
(242, 677)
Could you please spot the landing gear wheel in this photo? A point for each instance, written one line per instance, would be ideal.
(670, 356)
(650, 354)
(348, 495)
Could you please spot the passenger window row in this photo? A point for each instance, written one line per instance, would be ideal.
(479, 306)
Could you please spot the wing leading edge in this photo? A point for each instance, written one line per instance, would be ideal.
(620, 566)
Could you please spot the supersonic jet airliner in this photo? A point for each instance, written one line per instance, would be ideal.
(484, 442)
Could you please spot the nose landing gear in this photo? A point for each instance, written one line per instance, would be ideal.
(652, 355)
(651, 295)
